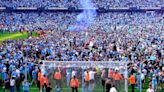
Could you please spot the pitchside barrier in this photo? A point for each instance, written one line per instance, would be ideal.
(101, 75)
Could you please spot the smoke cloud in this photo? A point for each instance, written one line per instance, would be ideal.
(85, 18)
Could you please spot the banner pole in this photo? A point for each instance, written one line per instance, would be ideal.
(140, 77)
(126, 82)
(82, 78)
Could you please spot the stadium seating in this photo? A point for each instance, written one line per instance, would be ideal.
(76, 3)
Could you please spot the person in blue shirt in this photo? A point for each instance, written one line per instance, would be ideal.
(4, 75)
(25, 86)
(22, 72)
(30, 70)
(11, 68)
(68, 76)
(34, 76)
(14, 73)
(154, 82)
(58, 89)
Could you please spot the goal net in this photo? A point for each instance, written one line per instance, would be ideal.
(92, 76)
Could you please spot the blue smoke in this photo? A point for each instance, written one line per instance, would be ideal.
(86, 18)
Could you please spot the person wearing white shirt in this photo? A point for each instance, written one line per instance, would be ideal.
(12, 84)
(113, 89)
(12, 81)
(143, 78)
(150, 89)
(73, 73)
(18, 72)
(92, 77)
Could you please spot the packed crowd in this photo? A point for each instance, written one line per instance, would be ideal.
(137, 38)
(76, 3)
(61, 21)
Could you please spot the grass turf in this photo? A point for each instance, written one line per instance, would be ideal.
(98, 88)
(35, 89)
(15, 35)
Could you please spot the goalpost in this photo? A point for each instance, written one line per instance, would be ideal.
(79, 68)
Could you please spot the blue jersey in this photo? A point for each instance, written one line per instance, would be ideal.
(4, 75)
(58, 90)
(22, 69)
(154, 81)
(11, 68)
(15, 74)
(34, 74)
(26, 86)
